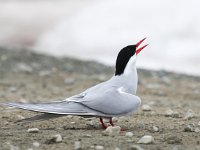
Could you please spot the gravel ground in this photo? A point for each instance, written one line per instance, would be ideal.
(169, 113)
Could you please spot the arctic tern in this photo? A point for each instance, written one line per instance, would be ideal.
(115, 97)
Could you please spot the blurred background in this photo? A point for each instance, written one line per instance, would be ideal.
(98, 29)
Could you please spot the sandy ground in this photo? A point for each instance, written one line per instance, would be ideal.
(28, 77)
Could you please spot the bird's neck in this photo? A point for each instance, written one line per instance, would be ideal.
(129, 78)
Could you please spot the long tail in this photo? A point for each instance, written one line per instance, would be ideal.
(58, 107)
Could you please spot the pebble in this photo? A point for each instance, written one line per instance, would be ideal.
(198, 123)
(173, 114)
(87, 135)
(33, 130)
(136, 147)
(169, 113)
(189, 128)
(44, 73)
(24, 67)
(77, 145)
(117, 148)
(189, 114)
(55, 139)
(146, 107)
(21, 117)
(129, 134)
(69, 116)
(69, 81)
(147, 139)
(99, 147)
(115, 119)
(174, 140)
(197, 130)
(155, 129)
(112, 131)
(36, 144)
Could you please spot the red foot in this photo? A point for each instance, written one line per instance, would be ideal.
(103, 124)
(111, 122)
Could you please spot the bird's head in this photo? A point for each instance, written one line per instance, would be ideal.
(127, 54)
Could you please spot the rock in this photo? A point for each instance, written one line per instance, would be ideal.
(173, 140)
(21, 117)
(147, 139)
(115, 119)
(91, 123)
(54, 139)
(197, 130)
(117, 148)
(72, 122)
(189, 115)
(173, 114)
(44, 73)
(169, 113)
(33, 130)
(155, 129)
(112, 131)
(129, 134)
(136, 147)
(36, 144)
(176, 115)
(69, 81)
(24, 67)
(77, 145)
(189, 128)
(198, 123)
(99, 147)
(69, 116)
(146, 108)
(87, 135)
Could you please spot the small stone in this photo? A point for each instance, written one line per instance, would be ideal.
(112, 131)
(54, 139)
(99, 147)
(129, 134)
(87, 135)
(146, 108)
(174, 140)
(73, 122)
(198, 123)
(189, 128)
(33, 130)
(117, 148)
(197, 130)
(69, 116)
(44, 73)
(77, 145)
(155, 129)
(147, 139)
(115, 119)
(136, 147)
(176, 114)
(91, 123)
(36, 144)
(24, 67)
(189, 115)
(69, 81)
(21, 117)
(169, 113)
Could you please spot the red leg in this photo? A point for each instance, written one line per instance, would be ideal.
(102, 123)
(111, 122)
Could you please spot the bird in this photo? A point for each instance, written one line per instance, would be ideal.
(112, 98)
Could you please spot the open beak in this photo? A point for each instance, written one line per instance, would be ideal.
(138, 50)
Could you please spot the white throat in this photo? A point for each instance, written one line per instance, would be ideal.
(130, 69)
